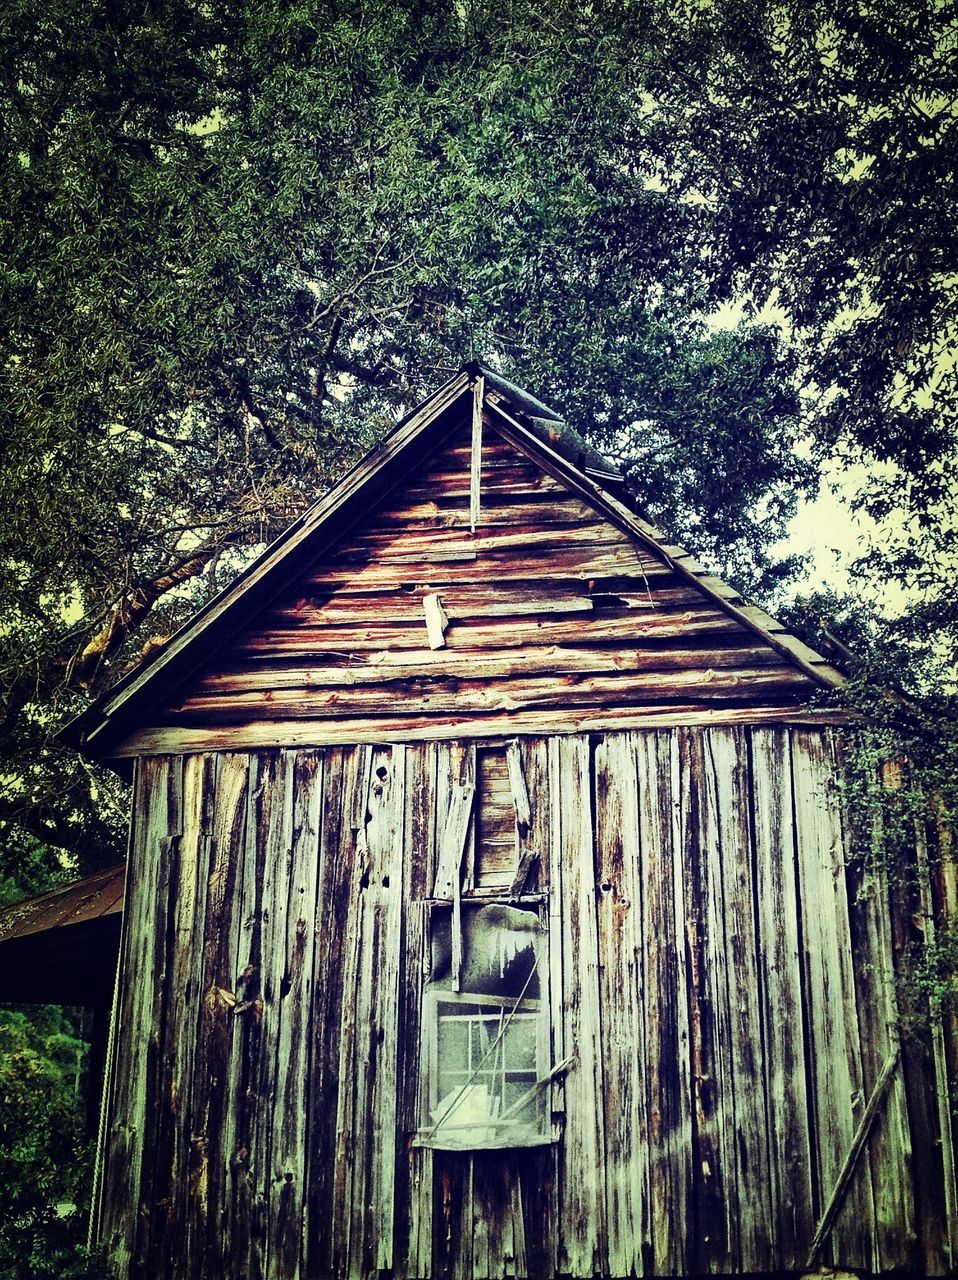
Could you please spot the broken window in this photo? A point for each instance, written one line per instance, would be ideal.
(487, 1027)
(486, 1033)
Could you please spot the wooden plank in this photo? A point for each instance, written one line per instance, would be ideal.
(453, 844)
(618, 624)
(440, 568)
(257, 734)
(512, 483)
(274, 826)
(211, 1124)
(623, 989)
(246, 1048)
(436, 621)
(165, 801)
(423, 696)
(498, 1246)
(780, 996)
(176, 1243)
(665, 1006)
(386, 853)
(475, 460)
(414, 1183)
(348, 1226)
(335, 887)
(139, 1011)
(733, 930)
(889, 1151)
(504, 507)
(388, 667)
(835, 1052)
(437, 545)
(716, 1243)
(296, 936)
(581, 1206)
(517, 784)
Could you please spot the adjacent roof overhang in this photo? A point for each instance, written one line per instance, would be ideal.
(61, 947)
(531, 425)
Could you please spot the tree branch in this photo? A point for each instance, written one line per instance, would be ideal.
(129, 614)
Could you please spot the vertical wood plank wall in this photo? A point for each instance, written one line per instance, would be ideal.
(721, 974)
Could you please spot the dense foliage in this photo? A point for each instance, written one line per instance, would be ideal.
(45, 1162)
(239, 239)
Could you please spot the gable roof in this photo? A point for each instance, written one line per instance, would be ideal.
(532, 427)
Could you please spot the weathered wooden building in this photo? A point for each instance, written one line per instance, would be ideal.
(492, 909)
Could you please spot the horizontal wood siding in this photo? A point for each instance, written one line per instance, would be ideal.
(551, 609)
(722, 997)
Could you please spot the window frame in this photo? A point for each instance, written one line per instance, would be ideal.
(434, 994)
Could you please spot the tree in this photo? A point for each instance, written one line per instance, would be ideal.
(43, 1162)
(247, 237)
(822, 140)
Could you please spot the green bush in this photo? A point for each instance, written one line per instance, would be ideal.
(45, 1159)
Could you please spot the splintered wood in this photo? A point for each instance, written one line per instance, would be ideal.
(531, 612)
(720, 1053)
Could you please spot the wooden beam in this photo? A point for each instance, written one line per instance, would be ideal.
(475, 458)
(843, 1181)
(436, 621)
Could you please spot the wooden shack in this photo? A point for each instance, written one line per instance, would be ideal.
(492, 908)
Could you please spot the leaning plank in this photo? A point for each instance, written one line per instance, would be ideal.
(436, 621)
(453, 844)
(517, 783)
(865, 1126)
